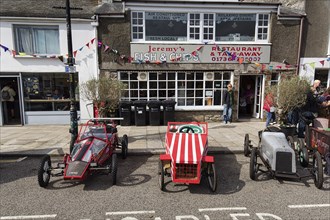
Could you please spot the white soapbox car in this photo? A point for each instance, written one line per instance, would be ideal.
(279, 158)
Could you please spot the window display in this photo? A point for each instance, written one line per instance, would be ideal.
(47, 91)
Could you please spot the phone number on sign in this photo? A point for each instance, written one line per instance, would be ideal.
(249, 59)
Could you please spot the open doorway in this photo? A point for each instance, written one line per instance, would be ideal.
(10, 109)
(247, 91)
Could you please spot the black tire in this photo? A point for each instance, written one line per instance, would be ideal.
(318, 170)
(114, 167)
(124, 146)
(253, 164)
(44, 171)
(212, 177)
(303, 157)
(161, 178)
(247, 150)
(291, 142)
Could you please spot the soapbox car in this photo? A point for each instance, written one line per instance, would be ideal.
(186, 160)
(280, 159)
(93, 152)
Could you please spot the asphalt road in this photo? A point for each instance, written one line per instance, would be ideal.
(137, 194)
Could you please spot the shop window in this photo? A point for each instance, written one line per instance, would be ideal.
(36, 39)
(199, 27)
(323, 76)
(48, 91)
(275, 79)
(188, 89)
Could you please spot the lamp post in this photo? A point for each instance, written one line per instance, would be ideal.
(70, 68)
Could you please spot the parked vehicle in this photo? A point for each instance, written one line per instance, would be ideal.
(186, 159)
(93, 152)
(279, 158)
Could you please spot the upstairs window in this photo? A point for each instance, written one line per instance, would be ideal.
(163, 26)
(137, 25)
(263, 27)
(36, 39)
(235, 27)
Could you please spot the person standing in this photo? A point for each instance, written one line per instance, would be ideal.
(228, 101)
(269, 107)
(249, 98)
(8, 96)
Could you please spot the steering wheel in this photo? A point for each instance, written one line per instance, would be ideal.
(186, 129)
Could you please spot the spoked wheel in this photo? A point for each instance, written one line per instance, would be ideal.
(318, 170)
(161, 176)
(212, 176)
(247, 150)
(124, 146)
(253, 164)
(44, 171)
(291, 142)
(114, 167)
(302, 153)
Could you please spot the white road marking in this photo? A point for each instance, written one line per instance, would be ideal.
(21, 159)
(28, 217)
(221, 209)
(308, 206)
(128, 213)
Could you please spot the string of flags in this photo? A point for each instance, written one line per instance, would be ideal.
(107, 49)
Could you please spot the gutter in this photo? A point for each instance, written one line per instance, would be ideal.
(299, 44)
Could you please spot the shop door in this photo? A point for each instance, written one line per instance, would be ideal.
(257, 97)
(11, 111)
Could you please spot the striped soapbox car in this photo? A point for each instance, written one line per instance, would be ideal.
(186, 159)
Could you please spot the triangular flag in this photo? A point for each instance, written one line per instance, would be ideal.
(92, 41)
(5, 48)
(81, 48)
(87, 44)
(13, 52)
(328, 59)
(99, 44)
(158, 62)
(257, 64)
(106, 47)
(263, 66)
(194, 53)
(75, 53)
(240, 60)
(22, 53)
(199, 48)
(322, 62)
(270, 67)
(312, 65)
(278, 67)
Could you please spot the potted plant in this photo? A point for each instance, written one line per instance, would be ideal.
(290, 94)
(105, 93)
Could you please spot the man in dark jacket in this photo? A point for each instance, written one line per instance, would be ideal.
(228, 102)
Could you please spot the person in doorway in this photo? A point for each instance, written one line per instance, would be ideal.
(56, 94)
(228, 101)
(8, 96)
(269, 107)
(249, 97)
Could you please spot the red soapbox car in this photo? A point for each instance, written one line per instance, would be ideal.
(186, 159)
(93, 152)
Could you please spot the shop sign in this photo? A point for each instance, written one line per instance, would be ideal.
(208, 53)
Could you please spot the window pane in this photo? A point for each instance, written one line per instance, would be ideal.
(163, 26)
(235, 27)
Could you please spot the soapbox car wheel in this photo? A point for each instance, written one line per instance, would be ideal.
(318, 170)
(247, 150)
(212, 177)
(302, 153)
(124, 146)
(44, 171)
(161, 176)
(114, 167)
(253, 164)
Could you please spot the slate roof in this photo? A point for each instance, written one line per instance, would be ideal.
(44, 8)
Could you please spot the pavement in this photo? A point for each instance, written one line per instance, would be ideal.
(36, 140)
